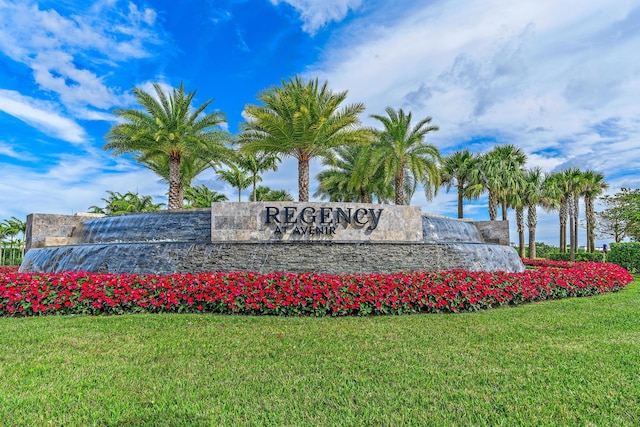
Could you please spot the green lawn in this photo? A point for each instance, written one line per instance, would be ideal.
(570, 362)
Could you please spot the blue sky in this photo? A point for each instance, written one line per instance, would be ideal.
(560, 80)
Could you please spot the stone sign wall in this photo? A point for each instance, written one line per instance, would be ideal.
(53, 230)
(313, 221)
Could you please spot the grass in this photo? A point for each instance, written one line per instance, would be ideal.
(569, 362)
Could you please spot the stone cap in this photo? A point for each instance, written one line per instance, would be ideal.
(314, 221)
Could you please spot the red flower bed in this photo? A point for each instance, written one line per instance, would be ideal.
(8, 269)
(299, 294)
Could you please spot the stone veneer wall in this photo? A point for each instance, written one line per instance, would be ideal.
(53, 230)
(496, 232)
(55, 248)
(317, 257)
(341, 258)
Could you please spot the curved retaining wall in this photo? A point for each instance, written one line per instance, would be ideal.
(179, 242)
(335, 258)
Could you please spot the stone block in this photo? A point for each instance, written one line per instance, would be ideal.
(496, 232)
(314, 221)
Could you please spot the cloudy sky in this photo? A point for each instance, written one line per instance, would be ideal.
(560, 80)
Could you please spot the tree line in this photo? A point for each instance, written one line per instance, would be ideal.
(306, 120)
(12, 233)
(620, 218)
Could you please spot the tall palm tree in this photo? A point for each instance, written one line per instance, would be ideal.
(555, 193)
(457, 170)
(516, 200)
(168, 127)
(190, 167)
(533, 195)
(255, 164)
(595, 185)
(202, 196)
(303, 120)
(499, 172)
(236, 177)
(574, 184)
(401, 149)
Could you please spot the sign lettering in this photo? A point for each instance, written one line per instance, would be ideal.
(324, 220)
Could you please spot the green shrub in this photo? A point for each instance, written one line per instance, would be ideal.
(542, 250)
(625, 254)
(579, 256)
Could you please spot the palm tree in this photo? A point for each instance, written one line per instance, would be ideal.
(302, 120)
(235, 177)
(562, 191)
(533, 195)
(457, 170)
(266, 194)
(337, 183)
(555, 201)
(201, 196)
(255, 164)
(351, 176)
(168, 127)
(401, 150)
(498, 172)
(334, 185)
(517, 201)
(13, 227)
(190, 168)
(595, 185)
(118, 204)
(573, 184)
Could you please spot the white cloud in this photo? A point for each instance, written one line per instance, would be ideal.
(316, 14)
(72, 185)
(538, 74)
(9, 151)
(41, 115)
(71, 56)
(558, 79)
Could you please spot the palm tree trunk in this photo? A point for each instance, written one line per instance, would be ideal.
(576, 222)
(460, 200)
(532, 222)
(303, 179)
(572, 229)
(589, 213)
(493, 205)
(562, 213)
(399, 187)
(175, 186)
(504, 209)
(520, 224)
(254, 188)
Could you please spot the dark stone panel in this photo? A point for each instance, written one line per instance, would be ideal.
(336, 258)
(188, 225)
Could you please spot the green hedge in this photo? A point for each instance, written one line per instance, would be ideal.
(579, 256)
(625, 254)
